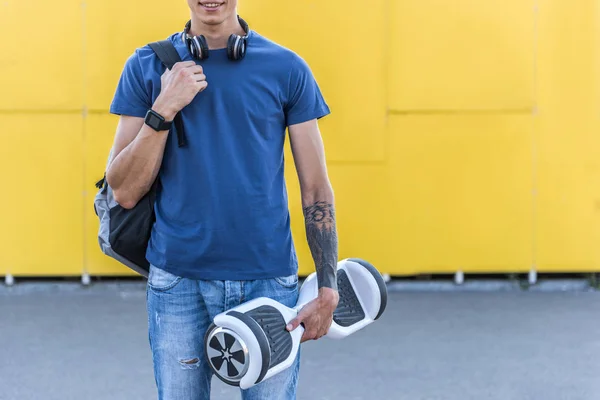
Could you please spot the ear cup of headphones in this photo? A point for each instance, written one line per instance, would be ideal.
(198, 47)
(236, 47)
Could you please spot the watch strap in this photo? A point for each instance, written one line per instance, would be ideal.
(157, 121)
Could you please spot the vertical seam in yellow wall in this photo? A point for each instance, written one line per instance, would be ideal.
(84, 116)
(386, 73)
(534, 141)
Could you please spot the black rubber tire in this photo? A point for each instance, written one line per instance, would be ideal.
(380, 283)
(262, 341)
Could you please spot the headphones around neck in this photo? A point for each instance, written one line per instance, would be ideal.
(236, 44)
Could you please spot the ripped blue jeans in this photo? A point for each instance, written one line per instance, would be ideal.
(180, 311)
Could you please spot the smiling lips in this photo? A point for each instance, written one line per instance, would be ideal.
(211, 6)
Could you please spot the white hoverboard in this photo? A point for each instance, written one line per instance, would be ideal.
(249, 343)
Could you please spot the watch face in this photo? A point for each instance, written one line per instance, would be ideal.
(153, 120)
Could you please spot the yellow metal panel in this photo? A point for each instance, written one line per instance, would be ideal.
(455, 191)
(361, 201)
(100, 131)
(114, 30)
(568, 199)
(41, 63)
(346, 48)
(41, 206)
(463, 54)
(567, 126)
(459, 197)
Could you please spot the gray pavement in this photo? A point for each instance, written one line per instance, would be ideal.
(74, 343)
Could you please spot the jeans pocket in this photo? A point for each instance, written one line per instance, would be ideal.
(290, 281)
(161, 280)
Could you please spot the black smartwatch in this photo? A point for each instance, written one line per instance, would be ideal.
(157, 122)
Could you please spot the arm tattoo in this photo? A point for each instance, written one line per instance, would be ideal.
(322, 240)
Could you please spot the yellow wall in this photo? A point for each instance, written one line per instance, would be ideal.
(464, 134)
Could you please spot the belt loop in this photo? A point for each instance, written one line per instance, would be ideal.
(242, 295)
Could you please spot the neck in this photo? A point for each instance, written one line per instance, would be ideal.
(216, 35)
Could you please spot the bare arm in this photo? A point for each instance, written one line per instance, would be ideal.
(317, 200)
(321, 234)
(136, 158)
(138, 149)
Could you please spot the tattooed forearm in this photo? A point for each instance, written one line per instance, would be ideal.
(322, 240)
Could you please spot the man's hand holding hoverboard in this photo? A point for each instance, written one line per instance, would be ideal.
(250, 343)
(317, 315)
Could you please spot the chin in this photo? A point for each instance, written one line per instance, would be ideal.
(211, 15)
(210, 19)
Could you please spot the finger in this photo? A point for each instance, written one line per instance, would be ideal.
(322, 329)
(199, 77)
(304, 337)
(309, 334)
(195, 69)
(183, 64)
(325, 329)
(201, 86)
(293, 324)
(318, 334)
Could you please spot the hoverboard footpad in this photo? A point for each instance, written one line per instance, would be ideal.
(272, 323)
(349, 310)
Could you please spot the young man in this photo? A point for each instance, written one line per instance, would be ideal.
(222, 232)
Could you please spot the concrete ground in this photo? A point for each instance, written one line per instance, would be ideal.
(73, 343)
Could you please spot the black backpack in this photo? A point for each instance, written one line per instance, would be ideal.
(124, 233)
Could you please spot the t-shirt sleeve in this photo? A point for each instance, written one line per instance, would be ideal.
(305, 100)
(131, 97)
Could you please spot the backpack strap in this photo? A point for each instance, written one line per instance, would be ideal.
(166, 52)
(168, 55)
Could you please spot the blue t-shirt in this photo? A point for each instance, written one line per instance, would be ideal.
(222, 206)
